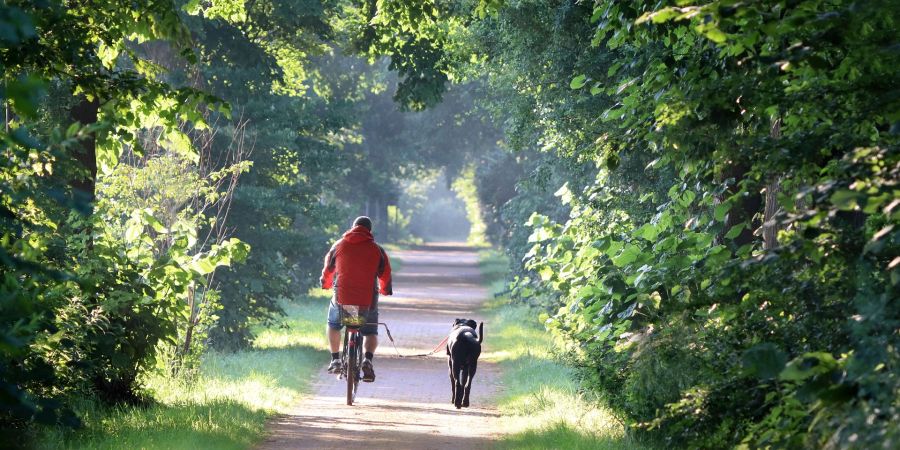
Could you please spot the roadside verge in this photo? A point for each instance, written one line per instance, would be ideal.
(541, 403)
(225, 405)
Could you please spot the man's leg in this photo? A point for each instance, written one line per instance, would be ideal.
(334, 339)
(370, 343)
(370, 333)
(333, 332)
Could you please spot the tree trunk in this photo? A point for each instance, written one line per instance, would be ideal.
(769, 227)
(6, 111)
(189, 332)
(85, 112)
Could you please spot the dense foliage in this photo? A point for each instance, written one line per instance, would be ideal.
(728, 276)
(265, 76)
(98, 274)
(703, 195)
(147, 144)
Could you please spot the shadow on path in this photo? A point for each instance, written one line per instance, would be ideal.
(408, 406)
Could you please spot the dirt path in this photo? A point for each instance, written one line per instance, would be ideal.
(408, 406)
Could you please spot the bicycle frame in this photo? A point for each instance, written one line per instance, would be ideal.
(351, 360)
(352, 353)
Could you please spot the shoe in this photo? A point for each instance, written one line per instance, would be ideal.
(335, 366)
(368, 371)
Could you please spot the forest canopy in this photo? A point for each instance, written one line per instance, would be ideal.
(699, 197)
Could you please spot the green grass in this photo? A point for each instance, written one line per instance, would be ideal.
(541, 404)
(226, 405)
(494, 267)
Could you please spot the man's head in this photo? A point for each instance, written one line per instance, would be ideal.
(363, 221)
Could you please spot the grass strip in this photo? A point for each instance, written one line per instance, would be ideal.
(542, 405)
(225, 405)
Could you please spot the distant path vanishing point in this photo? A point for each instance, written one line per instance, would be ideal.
(408, 406)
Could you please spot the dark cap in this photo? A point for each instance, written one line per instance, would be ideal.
(363, 221)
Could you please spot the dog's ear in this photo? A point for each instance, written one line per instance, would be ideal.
(459, 321)
(471, 324)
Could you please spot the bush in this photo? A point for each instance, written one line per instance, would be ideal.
(722, 271)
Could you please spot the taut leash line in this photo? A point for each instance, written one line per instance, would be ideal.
(393, 344)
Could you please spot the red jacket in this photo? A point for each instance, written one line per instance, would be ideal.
(352, 267)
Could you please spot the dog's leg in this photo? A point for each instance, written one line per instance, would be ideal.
(460, 374)
(470, 375)
(452, 381)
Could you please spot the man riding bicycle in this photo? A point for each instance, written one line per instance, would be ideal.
(358, 269)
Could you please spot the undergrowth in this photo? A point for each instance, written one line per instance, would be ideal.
(224, 405)
(541, 404)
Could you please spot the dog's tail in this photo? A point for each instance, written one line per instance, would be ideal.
(480, 332)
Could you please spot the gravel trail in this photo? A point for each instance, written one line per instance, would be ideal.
(408, 406)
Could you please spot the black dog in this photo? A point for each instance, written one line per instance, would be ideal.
(463, 349)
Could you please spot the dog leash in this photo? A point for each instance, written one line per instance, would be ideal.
(393, 344)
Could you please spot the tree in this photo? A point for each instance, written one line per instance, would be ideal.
(659, 272)
(89, 300)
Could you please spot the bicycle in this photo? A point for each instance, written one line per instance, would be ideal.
(353, 318)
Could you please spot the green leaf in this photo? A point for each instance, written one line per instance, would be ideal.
(614, 68)
(612, 114)
(108, 153)
(687, 197)
(808, 365)
(660, 16)
(586, 291)
(192, 7)
(72, 130)
(647, 231)
(179, 143)
(546, 273)
(578, 82)
(133, 231)
(846, 200)
(613, 249)
(716, 35)
(628, 256)
(735, 231)
(108, 55)
(154, 222)
(26, 93)
(721, 211)
(239, 249)
(203, 266)
(565, 195)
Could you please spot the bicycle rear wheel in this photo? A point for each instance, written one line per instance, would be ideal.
(351, 375)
